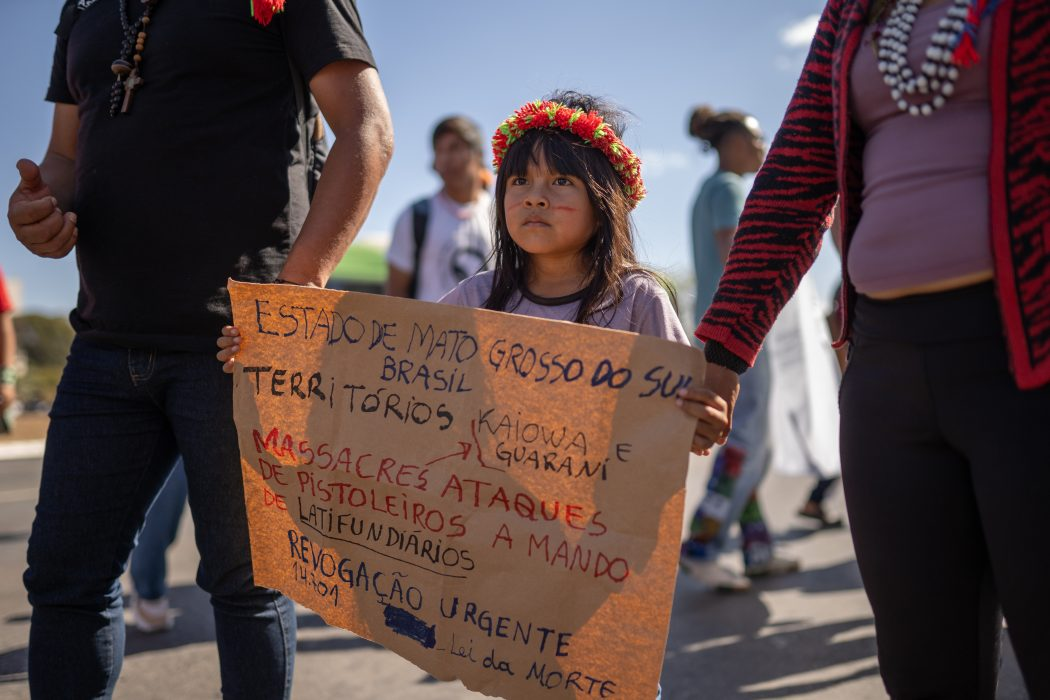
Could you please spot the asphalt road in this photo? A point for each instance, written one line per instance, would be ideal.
(805, 635)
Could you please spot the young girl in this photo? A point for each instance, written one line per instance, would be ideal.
(565, 189)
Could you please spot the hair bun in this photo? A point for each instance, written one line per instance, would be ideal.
(701, 115)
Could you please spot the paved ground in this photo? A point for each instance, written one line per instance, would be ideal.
(807, 635)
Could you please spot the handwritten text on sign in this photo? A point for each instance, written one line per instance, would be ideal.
(496, 498)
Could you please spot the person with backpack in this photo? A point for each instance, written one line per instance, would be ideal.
(441, 240)
(180, 157)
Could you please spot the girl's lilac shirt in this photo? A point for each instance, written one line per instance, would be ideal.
(645, 308)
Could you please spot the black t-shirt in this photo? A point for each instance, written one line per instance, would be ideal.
(204, 178)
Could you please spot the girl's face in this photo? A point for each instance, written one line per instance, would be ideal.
(548, 214)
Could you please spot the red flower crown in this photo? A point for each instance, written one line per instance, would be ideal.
(589, 126)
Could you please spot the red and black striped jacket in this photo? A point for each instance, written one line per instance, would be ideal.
(816, 155)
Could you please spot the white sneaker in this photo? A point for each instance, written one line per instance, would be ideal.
(152, 615)
(775, 565)
(715, 575)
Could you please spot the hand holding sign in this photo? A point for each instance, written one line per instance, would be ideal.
(229, 344)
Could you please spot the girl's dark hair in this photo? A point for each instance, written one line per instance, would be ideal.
(609, 254)
(712, 127)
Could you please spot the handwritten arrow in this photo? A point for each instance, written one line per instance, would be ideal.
(481, 457)
(463, 452)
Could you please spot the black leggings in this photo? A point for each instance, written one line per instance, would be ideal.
(946, 472)
(820, 491)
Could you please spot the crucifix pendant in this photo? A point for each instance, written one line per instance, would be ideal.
(131, 83)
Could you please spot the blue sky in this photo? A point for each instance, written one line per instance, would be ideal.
(483, 58)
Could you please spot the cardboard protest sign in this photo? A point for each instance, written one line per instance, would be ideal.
(496, 498)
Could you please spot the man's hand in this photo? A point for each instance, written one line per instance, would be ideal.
(35, 217)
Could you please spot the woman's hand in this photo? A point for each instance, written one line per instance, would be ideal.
(712, 417)
(726, 383)
(229, 345)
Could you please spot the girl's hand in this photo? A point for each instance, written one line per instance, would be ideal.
(712, 417)
(229, 343)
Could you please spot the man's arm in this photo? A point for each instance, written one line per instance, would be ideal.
(352, 101)
(723, 242)
(727, 201)
(398, 282)
(38, 208)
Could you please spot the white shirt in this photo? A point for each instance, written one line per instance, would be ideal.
(457, 243)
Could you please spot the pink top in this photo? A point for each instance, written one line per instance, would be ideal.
(925, 198)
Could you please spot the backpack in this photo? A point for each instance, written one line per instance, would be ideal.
(420, 215)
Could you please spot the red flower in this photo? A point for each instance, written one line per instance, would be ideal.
(603, 140)
(537, 116)
(526, 111)
(264, 10)
(586, 124)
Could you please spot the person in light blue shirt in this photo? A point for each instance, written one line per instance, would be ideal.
(742, 463)
(715, 214)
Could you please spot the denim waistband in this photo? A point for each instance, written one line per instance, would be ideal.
(967, 313)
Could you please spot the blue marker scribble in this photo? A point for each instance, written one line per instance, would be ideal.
(408, 625)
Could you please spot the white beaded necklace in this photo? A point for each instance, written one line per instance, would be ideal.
(938, 73)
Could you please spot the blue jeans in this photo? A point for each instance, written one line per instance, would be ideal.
(149, 563)
(738, 471)
(120, 419)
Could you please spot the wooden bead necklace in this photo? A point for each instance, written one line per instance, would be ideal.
(127, 67)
